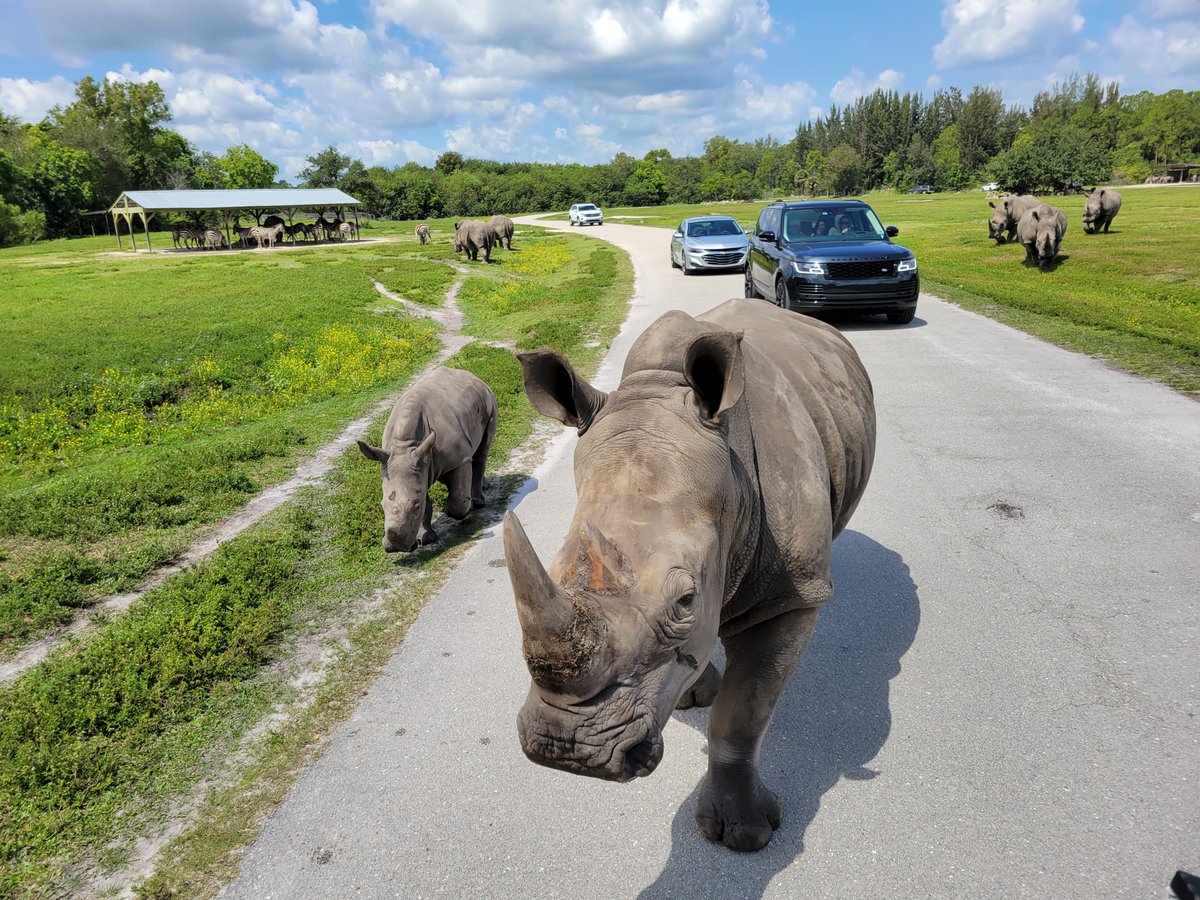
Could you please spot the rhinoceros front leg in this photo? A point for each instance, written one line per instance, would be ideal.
(458, 483)
(703, 690)
(735, 807)
(427, 535)
(478, 462)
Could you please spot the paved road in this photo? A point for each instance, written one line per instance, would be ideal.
(1001, 700)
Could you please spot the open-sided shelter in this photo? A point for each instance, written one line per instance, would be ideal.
(288, 202)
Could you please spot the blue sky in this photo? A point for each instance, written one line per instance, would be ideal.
(389, 81)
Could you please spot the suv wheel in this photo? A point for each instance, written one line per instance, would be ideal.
(751, 291)
(781, 297)
(901, 318)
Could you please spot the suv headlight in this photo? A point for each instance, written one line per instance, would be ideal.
(907, 265)
(807, 268)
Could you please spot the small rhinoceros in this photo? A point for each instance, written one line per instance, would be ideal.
(1008, 214)
(473, 236)
(1041, 230)
(1100, 208)
(440, 429)
(502, 230)
(711, 484)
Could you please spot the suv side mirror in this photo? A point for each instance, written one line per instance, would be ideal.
(891, 231)
(767, 237)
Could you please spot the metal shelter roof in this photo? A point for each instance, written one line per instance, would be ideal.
(267, 198)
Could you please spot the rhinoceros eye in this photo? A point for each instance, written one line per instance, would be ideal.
(687, 600)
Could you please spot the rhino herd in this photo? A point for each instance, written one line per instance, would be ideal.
(474, 237)
(710, 485)
(1039, 227)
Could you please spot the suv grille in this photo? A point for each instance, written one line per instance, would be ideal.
(871, 269)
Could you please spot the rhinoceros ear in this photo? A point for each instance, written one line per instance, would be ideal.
(991, 204)
(557, 392)
(376, 453)
(715, 371)
(425, 447)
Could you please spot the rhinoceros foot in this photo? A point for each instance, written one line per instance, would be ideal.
(738, 810)
(428, 536)
(703, 690)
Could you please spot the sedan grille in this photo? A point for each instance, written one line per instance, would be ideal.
(865, 269)
(723, 257)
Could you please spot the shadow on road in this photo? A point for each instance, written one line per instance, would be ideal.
(832, 720)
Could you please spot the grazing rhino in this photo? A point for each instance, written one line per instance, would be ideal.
(440, 429)
(502, 229)
(1008, 214)
(1041, 230)
(1100, 208)
(473, 236)
(711, 484)
(423, 233)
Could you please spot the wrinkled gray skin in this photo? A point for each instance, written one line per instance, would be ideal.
(423, 233)
(711, 484)
(473, 236)
(1100, 208)
(502, 229)
(1041, 230)
(440, 429)
(1008, 214)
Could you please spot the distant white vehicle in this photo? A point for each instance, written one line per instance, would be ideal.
(586, 214)
(991, 186)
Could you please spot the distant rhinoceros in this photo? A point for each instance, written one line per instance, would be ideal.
(473, 236)
(1100, 208)
(502, 230)
(1008, 214)
(440, 429)
(1041, 230)
(711, 484)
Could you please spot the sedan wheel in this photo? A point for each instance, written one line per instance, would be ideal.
(684, 266)
(781, 297)
(674, 265)
(751, 290)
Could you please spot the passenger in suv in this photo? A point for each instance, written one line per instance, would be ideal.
(854, 267)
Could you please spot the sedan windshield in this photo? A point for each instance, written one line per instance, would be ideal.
(831, 223)
(713, 228)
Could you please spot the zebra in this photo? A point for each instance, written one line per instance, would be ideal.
(187, 236)
(261, 233)
(324, 227)
(423, 233)
(213, 239)
(346, 230)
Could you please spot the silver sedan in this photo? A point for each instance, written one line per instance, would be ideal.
(709, 242)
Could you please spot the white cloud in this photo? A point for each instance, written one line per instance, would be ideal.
(1172, 50)
(29, 100)
(850, 87)
(979, 31)
(1173, 9)
(390, 153)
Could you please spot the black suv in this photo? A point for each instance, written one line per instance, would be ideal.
(827, 256)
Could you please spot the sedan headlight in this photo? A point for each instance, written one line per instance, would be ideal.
(807, 268)
(907, 265)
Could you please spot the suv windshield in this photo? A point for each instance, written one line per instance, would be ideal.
(584, 207)
(831, 223)
(713, 228)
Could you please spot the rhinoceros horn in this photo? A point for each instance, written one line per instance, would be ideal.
(563, 631)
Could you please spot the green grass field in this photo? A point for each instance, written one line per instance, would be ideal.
(1131, 296)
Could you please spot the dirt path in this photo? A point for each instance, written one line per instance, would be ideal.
(311, 471)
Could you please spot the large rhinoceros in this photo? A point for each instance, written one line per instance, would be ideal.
(502, 230)
(711, 484)
(1006, 216)
(1100, 208)
(440, 429)
(1041, 230)
(473, 236)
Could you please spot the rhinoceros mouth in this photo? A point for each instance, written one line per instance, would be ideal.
(617, 753)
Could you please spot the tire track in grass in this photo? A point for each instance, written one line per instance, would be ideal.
(312, 471)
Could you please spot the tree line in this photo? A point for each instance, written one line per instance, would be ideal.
(114, 137)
